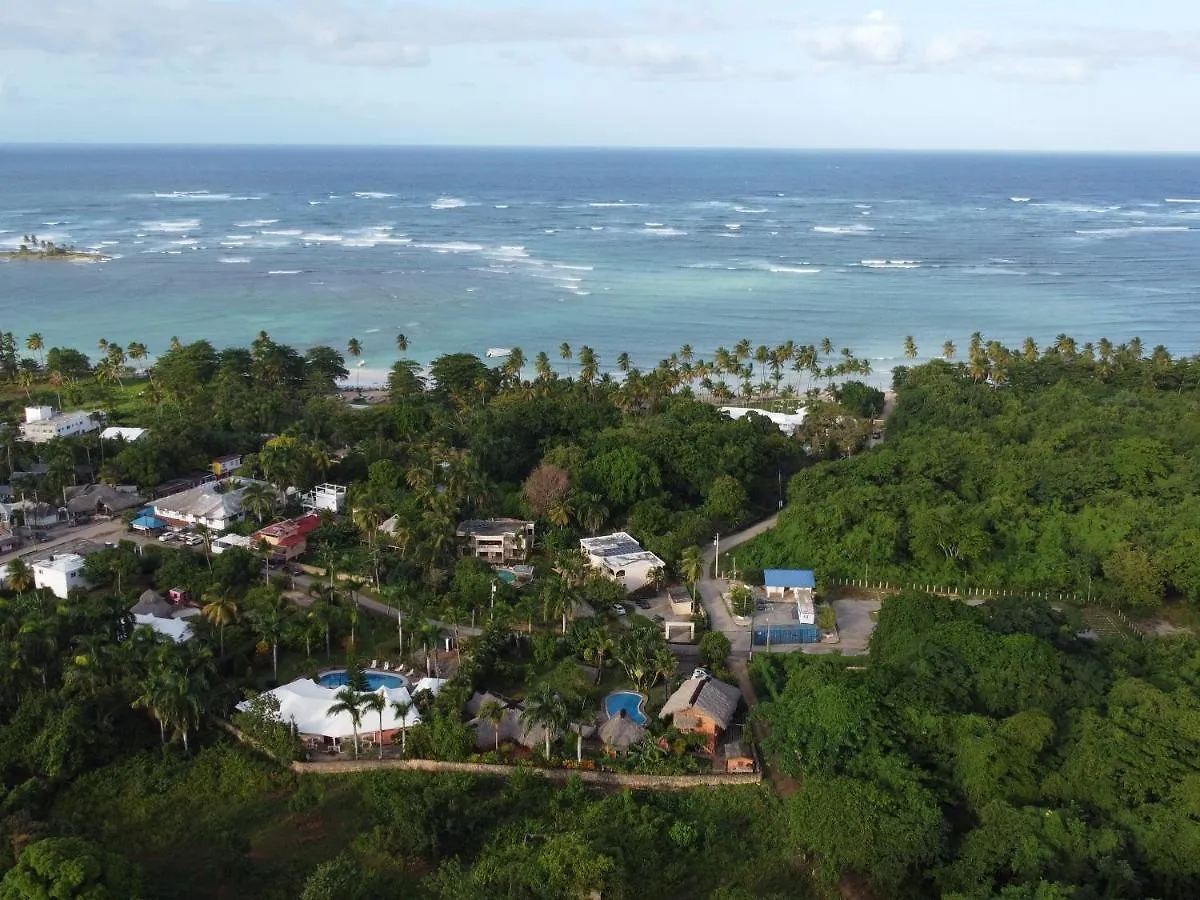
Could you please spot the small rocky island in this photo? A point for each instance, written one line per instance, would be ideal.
(32, 248)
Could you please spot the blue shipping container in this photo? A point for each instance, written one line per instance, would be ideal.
(786, 634)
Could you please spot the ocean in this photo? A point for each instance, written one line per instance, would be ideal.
(637, 251)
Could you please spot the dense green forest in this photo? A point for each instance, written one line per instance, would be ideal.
(989, 752)
(1066, 473)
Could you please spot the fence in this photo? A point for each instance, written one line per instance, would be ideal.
(967, 594)
(766, 636)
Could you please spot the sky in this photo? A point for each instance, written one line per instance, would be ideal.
(1015, 75)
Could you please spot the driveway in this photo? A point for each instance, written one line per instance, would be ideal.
(711, 589)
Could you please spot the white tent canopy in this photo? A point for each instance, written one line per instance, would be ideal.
(306, 704)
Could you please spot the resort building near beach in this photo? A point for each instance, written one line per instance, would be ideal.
(45, 423)
(497, 541)
(788, 423)
(621, 558)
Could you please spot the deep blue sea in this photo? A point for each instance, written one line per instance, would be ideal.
(625, 250)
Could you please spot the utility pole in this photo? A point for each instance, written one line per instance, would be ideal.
(717, 557)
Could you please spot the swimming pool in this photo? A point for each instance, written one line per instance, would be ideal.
(633, 703)
(375, 680)
(506, 576)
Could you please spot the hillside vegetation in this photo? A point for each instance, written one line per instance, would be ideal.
(1060, 474)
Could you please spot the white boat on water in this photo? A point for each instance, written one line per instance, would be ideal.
(498, 352)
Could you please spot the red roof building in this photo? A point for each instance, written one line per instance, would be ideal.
(287, 539)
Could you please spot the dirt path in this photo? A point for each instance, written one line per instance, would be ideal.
(783, 785)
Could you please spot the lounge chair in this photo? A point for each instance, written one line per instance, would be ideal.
(387, 666)
(374, 664)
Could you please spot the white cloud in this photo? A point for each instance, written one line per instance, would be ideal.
(650, 59)
(872, 40)
(951, 49)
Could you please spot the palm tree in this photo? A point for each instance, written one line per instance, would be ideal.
(657, 576)
(402, 342)
(558, 600)
(545, 708)
(136, 351)
(691, 564)
(182, 704)
(270, 623)
(589, 364)
(220, 611)
(155, 697)
(20, 576)
(826, 346)
(35, 343)
(541, 365)
(564, 351)
(354, 348)
(949, 351)
(349, 701)
(260, 500)
(910, 348)
(624, 363)
(514, 364)
(402, 709)
(664, 668)
(377, 703)
(492, 711)
(597, 644)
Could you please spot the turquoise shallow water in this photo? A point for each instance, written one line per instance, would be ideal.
(637, 251)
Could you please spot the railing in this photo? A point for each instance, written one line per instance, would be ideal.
(968, 594)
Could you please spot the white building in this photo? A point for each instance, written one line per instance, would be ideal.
(44, 423)
(496, 541)
(324, 498)
(117, 433)
(59, 573)
(216, 505)
(225, 541)
(785, 422)
(621, 558)
(176, 630)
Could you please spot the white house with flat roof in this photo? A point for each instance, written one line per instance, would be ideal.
(785, 422)
(324, 498)
(59, 573)
(45, 423)
(118, 433)
(619, 557)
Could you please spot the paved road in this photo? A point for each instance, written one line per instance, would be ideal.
(711, 589)
(112, 530)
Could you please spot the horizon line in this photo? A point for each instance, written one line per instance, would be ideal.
(666, 148)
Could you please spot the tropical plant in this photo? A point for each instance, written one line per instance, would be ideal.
(220, 610)
(546, 709)
(493, 712)
(402, 709)
(378, 704)
(349, 701)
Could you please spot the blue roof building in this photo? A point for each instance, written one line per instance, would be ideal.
(790, 578)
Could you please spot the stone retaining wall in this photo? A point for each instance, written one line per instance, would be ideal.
(615, 779)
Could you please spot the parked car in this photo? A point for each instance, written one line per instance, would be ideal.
(167, 537)
(619, 609)
(642, 603)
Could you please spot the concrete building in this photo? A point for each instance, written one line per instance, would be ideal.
(225, 541)
(116, 433)
(789, 585)
(226, 465)
(621, 558)
(44, 423)
(785, 422)
(324, 498)
(496, 541)
(287, 539)
(59, 573)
